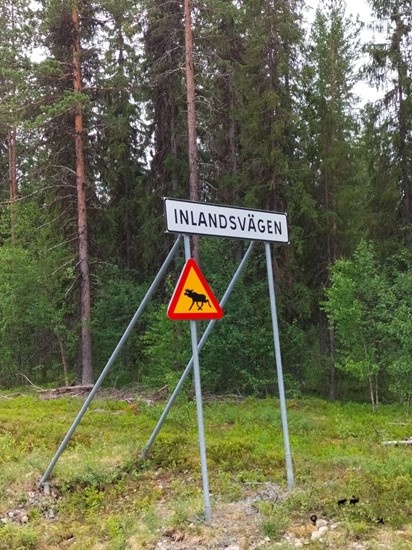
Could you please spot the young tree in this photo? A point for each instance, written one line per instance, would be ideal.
(352, 305)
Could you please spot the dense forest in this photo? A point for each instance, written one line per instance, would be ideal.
(109, 106)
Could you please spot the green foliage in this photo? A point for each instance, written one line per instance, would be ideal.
(353, 297)
(32, 313)
(369, 304)
(167, 349)
(117, 297)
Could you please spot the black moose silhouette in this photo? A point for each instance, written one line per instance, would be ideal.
(198, 299)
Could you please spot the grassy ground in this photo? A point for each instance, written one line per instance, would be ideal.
(104, 497)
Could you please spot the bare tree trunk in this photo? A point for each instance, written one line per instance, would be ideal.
(83, 255)
(376, 390)
(333, 384)
(12, 139)
(401, 68)
(191, 116)
(64, 358)
(371, 392)
(330, 205)
(12, 157)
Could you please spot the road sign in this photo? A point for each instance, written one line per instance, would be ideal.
(201, 218)
(193, 298)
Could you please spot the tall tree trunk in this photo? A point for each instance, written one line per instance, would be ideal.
(191, 116)
(330, 206)
(83, 255)
(11, 135)
(402, 70)
(12, 164)
(12, 156)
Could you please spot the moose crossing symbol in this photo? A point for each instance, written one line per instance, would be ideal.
(193, 298)
(198, 299)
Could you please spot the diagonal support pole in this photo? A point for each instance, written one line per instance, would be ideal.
(112, 359)
(201, 343)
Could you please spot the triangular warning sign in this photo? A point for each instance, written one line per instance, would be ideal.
(193, 298)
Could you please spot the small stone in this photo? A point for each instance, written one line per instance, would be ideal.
(321, 523)
(233, 547)
(24, 519)
(319, 533)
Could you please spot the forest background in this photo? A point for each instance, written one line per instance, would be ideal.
(94, 133)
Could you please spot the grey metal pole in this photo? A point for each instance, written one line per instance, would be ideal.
(282, 400)
(199, 407)
(112, 359)
(202, 342)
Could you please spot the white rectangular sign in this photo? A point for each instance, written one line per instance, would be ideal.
(202, 218)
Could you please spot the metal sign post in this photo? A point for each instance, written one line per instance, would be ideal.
(198, 218)
(199, 407)
(202, 342)
(282, 400)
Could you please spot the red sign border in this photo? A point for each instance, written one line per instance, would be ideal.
(192, 315)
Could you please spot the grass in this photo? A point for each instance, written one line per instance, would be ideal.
(105, 497)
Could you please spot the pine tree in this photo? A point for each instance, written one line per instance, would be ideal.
(390, 68)
(61, 79)
(16, 36)
(329, 126)
(118, 154)
(167, 112)
(220, 54)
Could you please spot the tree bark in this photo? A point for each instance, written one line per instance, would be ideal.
(12, 164)
(191, 117)
(12, 156)
(402, 70)
(12, 139)
(330, 207)
(83, 255)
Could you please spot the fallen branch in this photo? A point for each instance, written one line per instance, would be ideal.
(74, 391)
(10, 395)
(67, 389)
(407, 441)
(29, 381)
